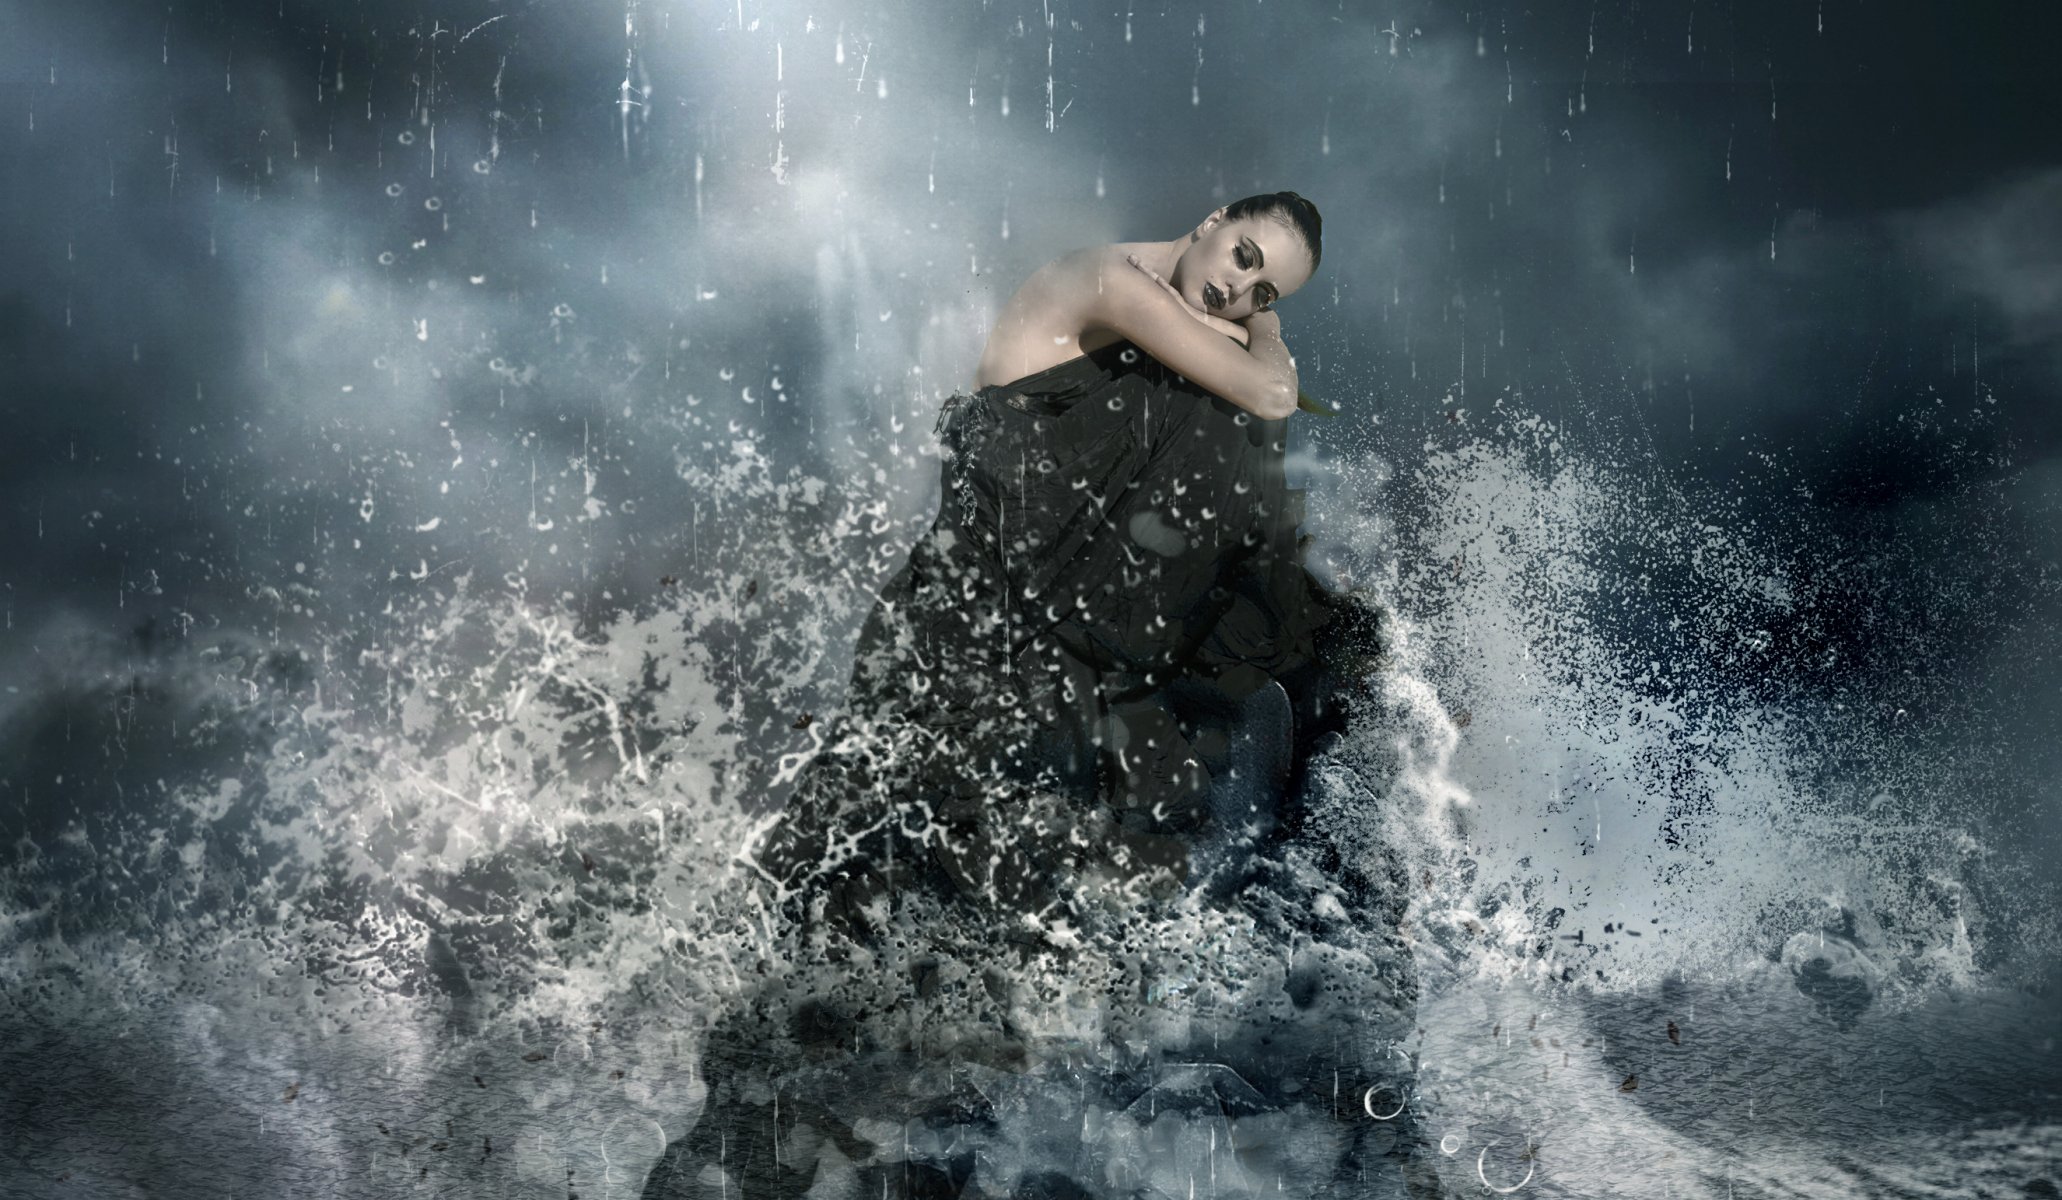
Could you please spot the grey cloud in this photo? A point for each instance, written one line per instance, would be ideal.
(272, 295)
(2004, 245)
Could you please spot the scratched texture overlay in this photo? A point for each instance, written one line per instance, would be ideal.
(447, 450)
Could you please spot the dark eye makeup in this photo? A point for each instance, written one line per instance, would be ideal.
(1245, 260)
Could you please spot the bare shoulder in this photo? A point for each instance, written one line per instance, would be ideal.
(1068, 285)
(1080, 290)
(1044, 322)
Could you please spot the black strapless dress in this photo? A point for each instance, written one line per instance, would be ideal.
(1114, 565)
(1046, 704)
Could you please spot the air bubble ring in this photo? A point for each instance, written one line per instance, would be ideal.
(1367, 1102)
(1482, 1157)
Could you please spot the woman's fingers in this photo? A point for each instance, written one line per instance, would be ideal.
(1230, 329)
(1165, 286)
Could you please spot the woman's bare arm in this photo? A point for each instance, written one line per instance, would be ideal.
(1265, 345)
(1230, 329)
(1260, 377)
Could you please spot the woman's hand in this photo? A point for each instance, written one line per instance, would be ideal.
(1255, 372)
(1230, 329)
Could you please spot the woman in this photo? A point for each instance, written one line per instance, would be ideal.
(1224, 276)
(1059, 666)
(979, 993)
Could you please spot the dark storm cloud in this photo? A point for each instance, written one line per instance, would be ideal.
(310, 310)
(1695, 224)
(2003, 247)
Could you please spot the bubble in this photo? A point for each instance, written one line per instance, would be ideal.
(407, 137)
(1127, 355)
(1116, 404)
(1481, 1173)
(482, 166)
(1450, 1144)
(562, 310)
(1367, 1102)
(497, 365)
(433, 204)
(379, 362)
(393, 189)
(386, 258)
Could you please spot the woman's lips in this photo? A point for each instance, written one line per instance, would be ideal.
(1212, 296)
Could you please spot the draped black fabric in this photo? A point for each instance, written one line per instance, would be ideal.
(1114, 563)
(1065, 725)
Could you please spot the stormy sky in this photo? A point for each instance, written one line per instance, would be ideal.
(447, 446)
(312, 308)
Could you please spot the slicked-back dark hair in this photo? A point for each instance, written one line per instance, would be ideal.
(1289, 208)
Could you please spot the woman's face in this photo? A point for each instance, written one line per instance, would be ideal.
(1234, 269)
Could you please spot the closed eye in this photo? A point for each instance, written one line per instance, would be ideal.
(1265, 291)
